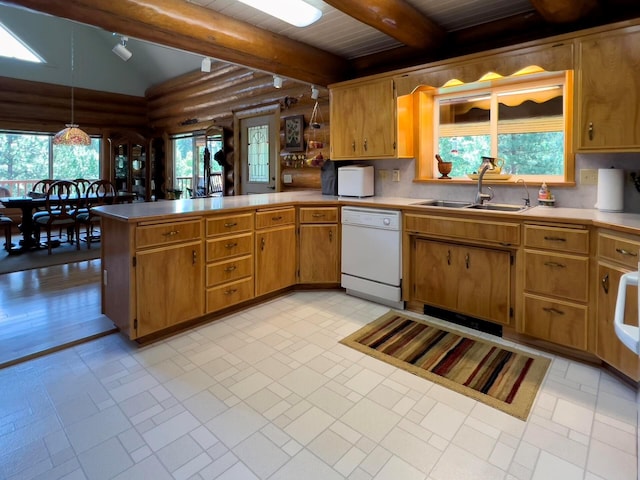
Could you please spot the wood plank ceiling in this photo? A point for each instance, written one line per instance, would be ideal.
(353, 37)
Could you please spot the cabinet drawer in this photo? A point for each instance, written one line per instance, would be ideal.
(565, 276)
(276, 217)
(619, 249)
(167, 233)
(570, 240)
(231, 246)
(319, 215)
(220, 225)
(559, 322)
(501, 233)
(221, 272)
(229, 294)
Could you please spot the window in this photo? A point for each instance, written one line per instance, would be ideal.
(11, 46)
(522, 121)
(26, 158)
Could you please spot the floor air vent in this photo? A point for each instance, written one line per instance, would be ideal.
(464, 320)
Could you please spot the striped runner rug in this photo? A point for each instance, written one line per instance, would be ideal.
(502, 377)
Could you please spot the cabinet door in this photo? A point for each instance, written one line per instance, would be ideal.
(345, 119)
(170, 286)
(609, 91)
(378, 137)
(319, 254)
(434, 274)
(484, 283)
(275, 259)
(608, 347)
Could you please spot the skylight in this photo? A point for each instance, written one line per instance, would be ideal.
(295, 12)
(12, 47)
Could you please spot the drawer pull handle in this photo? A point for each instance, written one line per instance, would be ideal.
(330, 235)
(230, 224)
(171, 233)
(448, 257)
(555, 264)
(466, 260)
(231, 245)
(622, 251)
(555, 239)
(605, 283)
(194, 257)
(262, 243)
(317, 215)
(231, 291)
(275, 219)
(230, 268)
(552, 310)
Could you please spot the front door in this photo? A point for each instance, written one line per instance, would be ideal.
(258, 154)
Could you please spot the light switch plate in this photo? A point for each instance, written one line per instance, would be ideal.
(396, 175)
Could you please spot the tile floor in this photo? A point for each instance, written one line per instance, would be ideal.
(268, 393)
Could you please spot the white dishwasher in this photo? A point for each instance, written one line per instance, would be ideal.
(371, 254)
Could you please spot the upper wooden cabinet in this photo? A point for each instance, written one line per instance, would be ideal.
(368, 121)
(608, 91)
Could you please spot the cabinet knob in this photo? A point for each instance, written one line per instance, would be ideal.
(230, 268)
(590, 130)
(331, 235)
(466, 260)
(365, 145)
(262, 243)
(194, 257)
(230, 291)
(353, 145)
(448, 257)
(605, 283)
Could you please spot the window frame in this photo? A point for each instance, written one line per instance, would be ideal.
(428, 122)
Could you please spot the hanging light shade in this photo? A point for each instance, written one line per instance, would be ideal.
(72, 135)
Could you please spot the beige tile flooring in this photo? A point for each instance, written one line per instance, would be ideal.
(268, 393)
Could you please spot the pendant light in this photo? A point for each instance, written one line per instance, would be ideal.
(72, 135)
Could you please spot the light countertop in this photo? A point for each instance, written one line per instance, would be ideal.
(139, 211)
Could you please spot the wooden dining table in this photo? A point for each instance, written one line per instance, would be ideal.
(28, 204)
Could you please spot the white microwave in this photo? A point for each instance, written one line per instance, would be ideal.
(355, 181)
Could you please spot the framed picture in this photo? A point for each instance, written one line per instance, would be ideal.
(293, 133)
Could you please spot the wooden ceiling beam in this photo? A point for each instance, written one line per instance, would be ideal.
(190, 27)
(564, 11)
(398, 19)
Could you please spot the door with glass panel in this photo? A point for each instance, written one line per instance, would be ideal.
(258, 148)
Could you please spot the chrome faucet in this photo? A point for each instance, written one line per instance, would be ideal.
(488, 163)
(527, 200)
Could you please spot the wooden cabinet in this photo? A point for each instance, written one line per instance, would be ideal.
(461, 264)
(617, 255)
(132, 165)
(470, 280)
(229, 271)
(556, 284)
(319, 252)
(275, 250)
(168, 271)
(608, 91)
(368, 121)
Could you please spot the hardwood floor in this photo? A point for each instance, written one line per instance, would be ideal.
(45, 309)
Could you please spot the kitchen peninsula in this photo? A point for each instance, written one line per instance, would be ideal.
(169, 264)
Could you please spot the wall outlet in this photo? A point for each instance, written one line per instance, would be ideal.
(588, 176)
(396, 175)
(383, 174)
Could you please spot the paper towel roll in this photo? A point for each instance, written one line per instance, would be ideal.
(610, 190)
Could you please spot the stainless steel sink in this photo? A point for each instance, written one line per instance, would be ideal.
(498, 207)
(443, 203)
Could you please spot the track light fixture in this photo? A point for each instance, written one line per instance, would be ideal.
(315, 93)
(121, 49)
(205, 66)
(277, 81)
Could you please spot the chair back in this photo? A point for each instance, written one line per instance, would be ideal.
(4, 192)
(42, 186)
(62, 200)
(83, 185)
(100, 192)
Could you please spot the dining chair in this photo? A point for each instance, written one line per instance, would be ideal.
(7, 226)
(60, 210)
(100, 192)
(83, 185)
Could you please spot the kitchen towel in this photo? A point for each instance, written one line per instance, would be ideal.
(610, 190)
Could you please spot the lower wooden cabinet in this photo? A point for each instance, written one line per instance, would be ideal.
(319, 254)
(470, 280)
(169, 286)
(275, 250)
